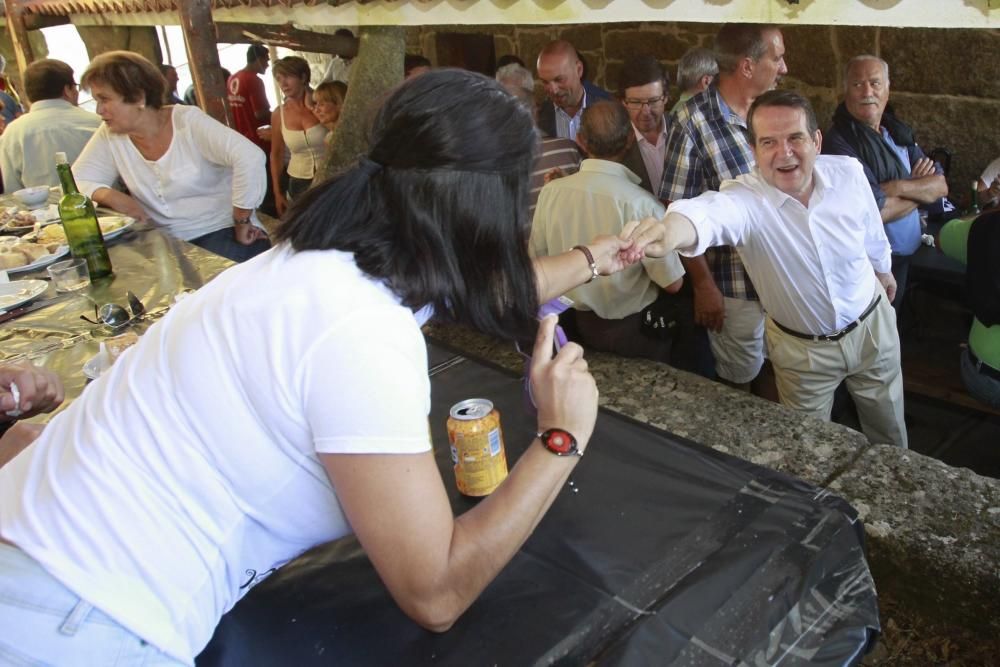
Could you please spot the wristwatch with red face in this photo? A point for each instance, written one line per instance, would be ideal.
(559, 442)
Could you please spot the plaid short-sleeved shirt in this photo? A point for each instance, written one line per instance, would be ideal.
(707, 144)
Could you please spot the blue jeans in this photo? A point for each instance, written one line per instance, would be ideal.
(222, 242)
(980, 386)
(43, 623)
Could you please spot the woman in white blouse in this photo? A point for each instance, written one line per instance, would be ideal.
(184, 170)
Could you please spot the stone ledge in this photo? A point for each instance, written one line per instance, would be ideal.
(933, 533)
(934, 530)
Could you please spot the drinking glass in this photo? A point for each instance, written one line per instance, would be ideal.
(70, 275)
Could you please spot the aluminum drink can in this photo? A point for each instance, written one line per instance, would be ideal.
(477, 450)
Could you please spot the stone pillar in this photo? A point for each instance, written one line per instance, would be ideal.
(378, 67)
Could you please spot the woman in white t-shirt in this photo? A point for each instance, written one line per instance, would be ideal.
(184, 170)
(250, 423)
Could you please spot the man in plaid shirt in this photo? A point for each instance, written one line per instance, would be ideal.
(707, 143)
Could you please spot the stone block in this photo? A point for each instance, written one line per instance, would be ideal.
(623, 44)
(809, 54)
(933, 534)
(942, 62)
(531, 42)
(586, 37)
(966, 126)
(852, 41)
(504, 45)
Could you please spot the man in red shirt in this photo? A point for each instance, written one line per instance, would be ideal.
(250, 107)
(246, 96)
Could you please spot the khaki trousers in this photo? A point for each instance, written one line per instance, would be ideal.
(808, 372)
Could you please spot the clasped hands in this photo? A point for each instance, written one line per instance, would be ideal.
(638, 239)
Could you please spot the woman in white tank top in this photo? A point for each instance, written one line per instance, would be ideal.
(300, 131)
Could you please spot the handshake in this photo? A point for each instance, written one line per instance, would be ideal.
(651, 237)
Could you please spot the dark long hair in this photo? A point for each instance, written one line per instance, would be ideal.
(438, 209)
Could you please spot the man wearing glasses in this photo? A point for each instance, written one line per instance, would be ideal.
(642, 88)
(55, 123)
(707, 143)
(561, 73)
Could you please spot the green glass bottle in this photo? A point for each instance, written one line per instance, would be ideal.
(79, 219)
(974, 199)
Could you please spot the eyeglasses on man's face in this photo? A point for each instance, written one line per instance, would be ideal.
(651, 102)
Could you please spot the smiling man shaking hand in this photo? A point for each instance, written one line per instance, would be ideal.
(809, 233)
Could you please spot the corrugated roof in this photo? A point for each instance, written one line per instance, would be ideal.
(70, 7)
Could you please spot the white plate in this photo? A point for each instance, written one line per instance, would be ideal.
(13, 294)
(41, 261)
(50, 213)
(115, 233)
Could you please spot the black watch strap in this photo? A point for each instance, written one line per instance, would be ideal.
(560, 442)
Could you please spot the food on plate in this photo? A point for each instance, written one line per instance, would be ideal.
(56, 233)
(52, 234)
(118, 344)
(16, 255)
(11, 217)
(109, 225)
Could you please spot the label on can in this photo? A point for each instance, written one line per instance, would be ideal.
(477, 450)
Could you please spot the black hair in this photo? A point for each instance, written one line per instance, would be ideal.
(782, 98)
(640, 71)
(438, 209)
(257, 51)
(414, 60)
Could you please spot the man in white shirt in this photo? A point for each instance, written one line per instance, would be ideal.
(811, 237)
(642, 88)
(54, 123)
(597, 200)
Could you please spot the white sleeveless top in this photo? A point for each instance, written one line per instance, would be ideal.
(307, 148)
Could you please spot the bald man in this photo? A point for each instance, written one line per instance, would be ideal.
(561, 72)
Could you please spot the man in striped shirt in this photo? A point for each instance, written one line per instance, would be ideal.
(707, 143)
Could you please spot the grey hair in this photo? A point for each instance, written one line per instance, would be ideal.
(857, 59)
(693, 65)
(520, 76)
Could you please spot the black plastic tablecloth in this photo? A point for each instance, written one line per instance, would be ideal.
(658, 551)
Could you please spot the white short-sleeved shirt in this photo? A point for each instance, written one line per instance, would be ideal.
(190, 468)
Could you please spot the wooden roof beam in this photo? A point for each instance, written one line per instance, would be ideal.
(287, 36)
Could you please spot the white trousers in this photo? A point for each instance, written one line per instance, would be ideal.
(808, 373)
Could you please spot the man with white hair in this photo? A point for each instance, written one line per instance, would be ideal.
(901, 176)
(695, 71)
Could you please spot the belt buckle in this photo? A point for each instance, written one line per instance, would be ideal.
(843, 332)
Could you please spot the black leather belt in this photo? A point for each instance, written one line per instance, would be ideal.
(834, 336)
(982, 367)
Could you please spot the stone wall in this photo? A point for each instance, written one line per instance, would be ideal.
(944, 82)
